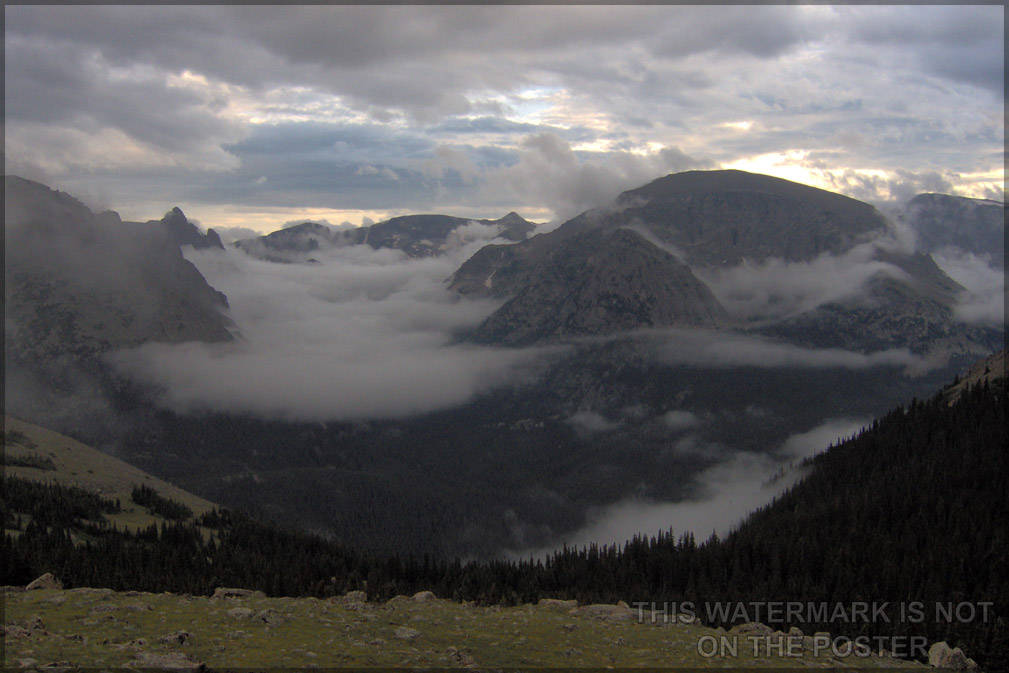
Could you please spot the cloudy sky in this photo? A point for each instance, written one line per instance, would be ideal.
(253, 116)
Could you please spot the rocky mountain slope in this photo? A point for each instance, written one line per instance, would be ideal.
(601, 282)
(704, 225)
(184, 232)
(416, 235)
(77, 283)
(970, 225)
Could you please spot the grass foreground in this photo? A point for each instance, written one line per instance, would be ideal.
(99, 628)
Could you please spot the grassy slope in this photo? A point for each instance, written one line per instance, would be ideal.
(80, 465)
(97, 627)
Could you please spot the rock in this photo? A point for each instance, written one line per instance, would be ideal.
(938, 653)
(269, 616)
(173, 661)
(406, 633)
(752, 628)
(424, 596)
(355, 597)
(177, 638)
(224, 592)
(46, 581)
(395, 600)
(941, 656)
(460, 657)
(15, 631)
(34, 623)
(240, 613)
(557, 603)
(795, 631)
(605, 611)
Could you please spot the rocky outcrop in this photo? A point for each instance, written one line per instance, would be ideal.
(46, 581)
(183, 232)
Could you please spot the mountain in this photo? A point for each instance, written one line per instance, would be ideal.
(704, 225)
(184, 232)
(296, 243)
(416, 235)
(719, 218)
(78, 285)
(603, 281)
(583, 427)
(942, 221)
(82, 284)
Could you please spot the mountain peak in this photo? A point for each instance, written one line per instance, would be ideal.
(183, 232)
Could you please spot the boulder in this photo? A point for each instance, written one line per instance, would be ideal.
(937, 654)
(752, 629)
(355, 597)
(424, 596)
(941, 656)
(557, 603)
(406, 633)
(269, 616)
(46, 581)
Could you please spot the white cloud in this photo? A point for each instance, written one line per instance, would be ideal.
(587, 422)
(364, 334)
(706, 348)
(775, 289)
(985, 301)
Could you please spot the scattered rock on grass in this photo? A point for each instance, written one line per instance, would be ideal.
(225, 592)
(173, 661)
(177, 638)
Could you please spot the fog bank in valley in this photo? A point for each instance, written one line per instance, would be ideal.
(362, 334)
(726, 493)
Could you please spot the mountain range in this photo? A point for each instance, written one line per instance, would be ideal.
(415, 235)
(699, 316)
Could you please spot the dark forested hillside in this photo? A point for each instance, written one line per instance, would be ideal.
(914, 509)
